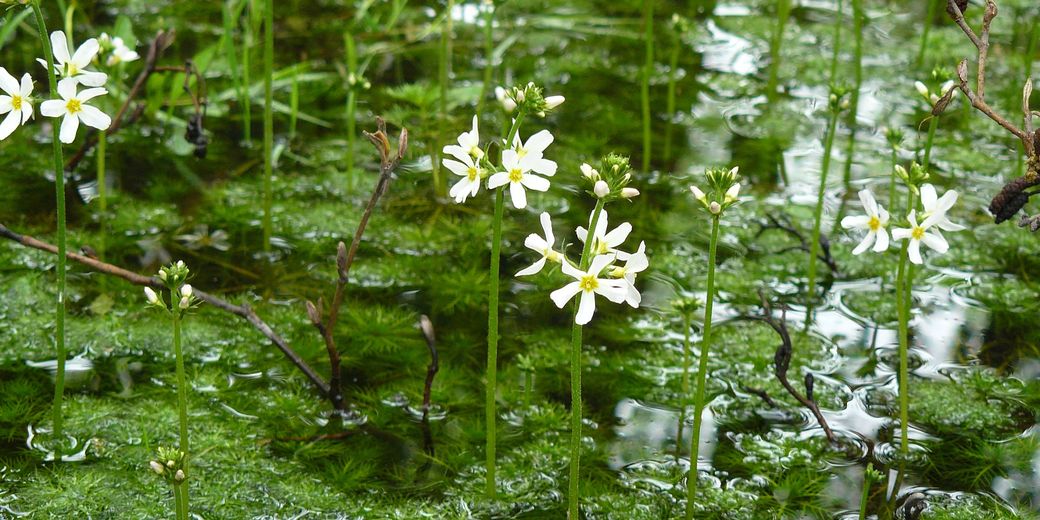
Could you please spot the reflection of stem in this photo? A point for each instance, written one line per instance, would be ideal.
(673, 64)
(573, 493)
(648, 22)
(814, 245)
(687, 325)
(59, 192)
(702, 370)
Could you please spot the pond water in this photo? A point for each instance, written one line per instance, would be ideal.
(267, 445)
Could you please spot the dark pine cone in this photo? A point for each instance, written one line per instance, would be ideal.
(1011, 199)
(961, 4)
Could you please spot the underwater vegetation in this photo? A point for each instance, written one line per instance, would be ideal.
(757, 259)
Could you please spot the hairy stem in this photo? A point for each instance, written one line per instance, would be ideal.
(702, 371)
(904, 284)
(489, 63)
(687, 325)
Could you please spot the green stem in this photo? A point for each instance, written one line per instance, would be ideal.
(352, 71)
(491, 415)
(247, 85)
(528, 387)
(489, 63)
(673, 65)
(904, 288)
(573, 492)
(836, 50)
(924, 32)
(180, 494)
(867, 481)
(294, 103)
(702, 371)
(444, 76)
(814, 247)
(268, 119)
(783, 12)
(648, 36)
(892, 182)
(857, 61)
(933, 123)
(182, 393)
(59, 194)
(230, 13)
(102, 191)
(492, 339)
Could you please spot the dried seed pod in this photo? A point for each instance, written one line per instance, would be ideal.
(961, 4)
(1011, 199)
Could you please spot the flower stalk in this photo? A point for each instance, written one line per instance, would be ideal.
(836, 104)
(268, 119)
(644, 88)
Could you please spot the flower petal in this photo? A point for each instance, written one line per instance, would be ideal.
(537, 143)
(901, 233)
(86, 52)
(547, 228)
(882, 241)
(913, 251)
(91, 79)
(518, 194)
(535, 243)
(69, 126)
(562, 295)
(599, 263)
(928, 198)
(618, 235)
(456, 167)
(91, 93)
(936, 242)
(93, 117)
(53, 108)
(67, 88)
(10, 124)
(533, 268)
(7, 83)
(613, 290)
(60, 47)
(535, 182)
(586, 308)
(856, 221)
(865, 243)
(498, 179)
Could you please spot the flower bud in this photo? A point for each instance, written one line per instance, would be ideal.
(589, 172)
(601, 189)
(179, 476)
(921, 89)
(552, 102)
(732, 192)
(185, 302)
(162, 274)
(698, 194)
(156, 467)
(153, 298)
(628, 193)
(715, 208)
(186, 291)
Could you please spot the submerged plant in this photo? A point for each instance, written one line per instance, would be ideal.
(722, 193)
(181, 298)
(597, 272)
(519, 166)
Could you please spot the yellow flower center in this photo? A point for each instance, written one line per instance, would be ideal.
(16, 102)
(600, 247)
(520, 152)
(551, 255)
(917, 232)
(874, 224)
(472, 173)
(588, 283)
(515, 175)
(73, 106)
(475, 151)
(72, 68)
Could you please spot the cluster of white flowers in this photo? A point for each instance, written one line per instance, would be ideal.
(72, 107)
(924, 231)
(605, 276)
(931, 98)
(119, 52)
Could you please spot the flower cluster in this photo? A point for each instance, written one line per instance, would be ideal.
(924, 225)
(523, 166)
(118, 51)
(610, 273)
(528, 97)
(182, 296)
(610, 182)
(169, 465)
(72, 107)
(723, 190)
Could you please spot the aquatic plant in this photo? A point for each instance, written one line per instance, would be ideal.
(268, 120)
(644, 84)
(596, 272)
(520, 167)
(723, 190)
(835, 104)
(171, 464)
(181, 299)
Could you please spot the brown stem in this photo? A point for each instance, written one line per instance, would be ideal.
(162, 40)
(243, 311)
(426, 326)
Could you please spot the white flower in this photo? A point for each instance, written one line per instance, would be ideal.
(156, 467)
(73, 108)
(936, 205)
(874, 222)
(16, 102)
(628, 193)
(186, 291)
(464, 167)
(531, 152)
(698, 194)
(636, 263)
(543, 246)
(121, 53)
(469, 144)
(503, 97)
(589, 172)
(604, 242)
(153, 298)
(73, 65)
(923, 90)
(519, 175)
(920, 233)
(589, 284)
(732, 193)
(552, 102)
(601, 189)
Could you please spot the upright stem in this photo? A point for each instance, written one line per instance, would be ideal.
(673, 65)
(247, 85)
(933, 123)
(294, 103)
(573, 492)
(903, 294)
(491, 415)
(892, 181)
(352, 71)
(182, 395)
(814, 247)
(867, 481)
(702, 371)
(687, 325)
(857, 61)
(230, 14)
(783, 12)
(102, 191)
(489, 58)
(648, 36)
(59, 194)
(924, 31)
(444, 77)
(268, 119)
(180, 496)
(492, 339)
(836, 50)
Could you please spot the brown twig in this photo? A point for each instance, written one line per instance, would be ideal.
(786, 226)
(782, 362)
(345, 257)
(243, 311)
(162, 41)
(426, 326)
